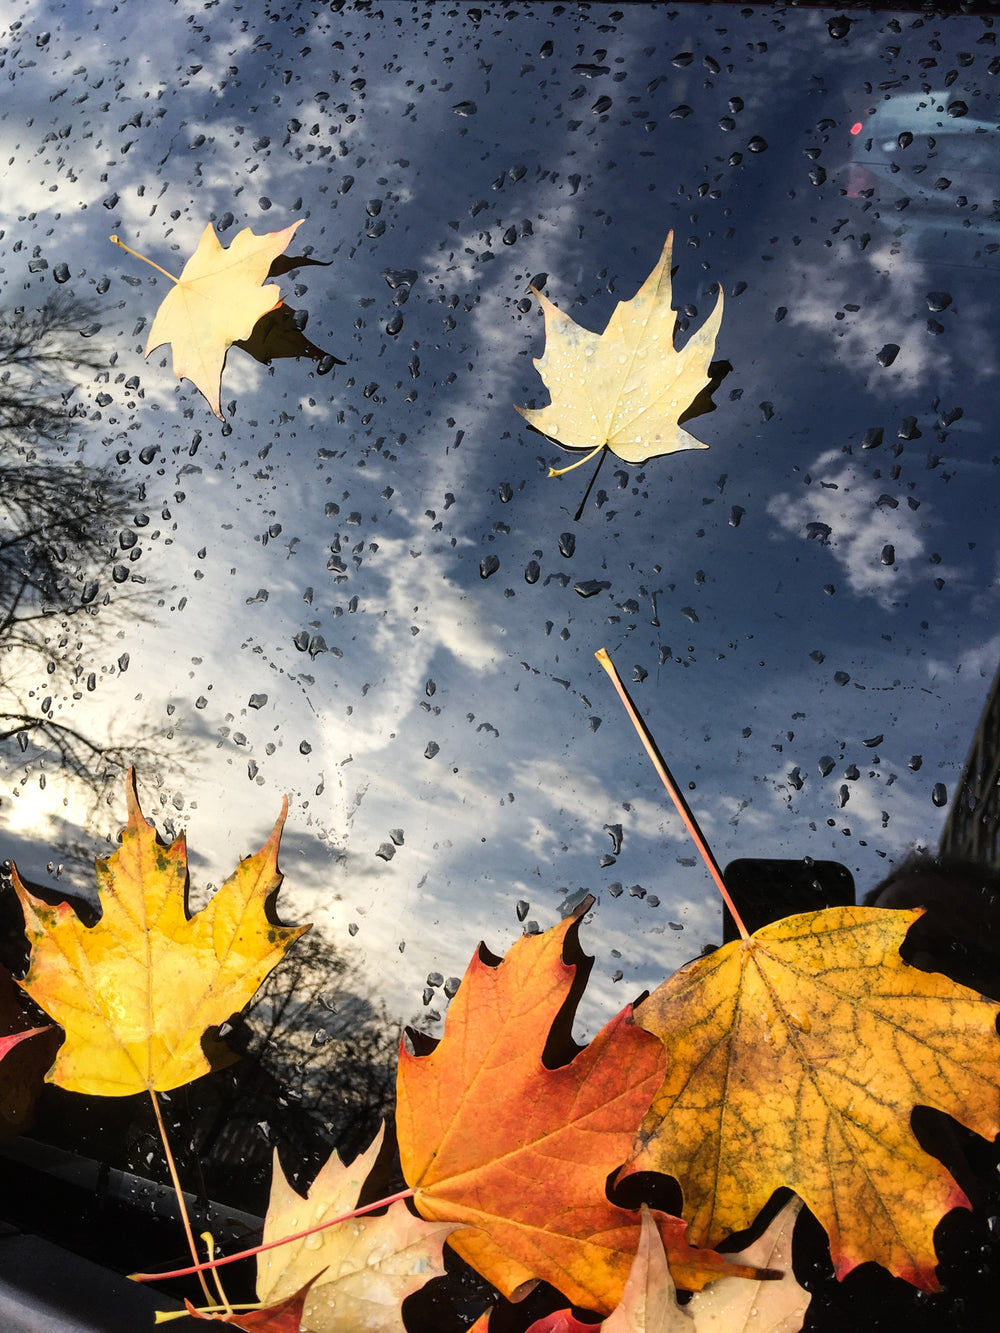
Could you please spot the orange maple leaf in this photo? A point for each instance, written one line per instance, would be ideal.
(136, 991)
(519, 1153)
(215, 302)
(795, 1057)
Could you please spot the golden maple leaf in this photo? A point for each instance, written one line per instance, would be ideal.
(795, 1057)
(215, 302)
(371, 1263)
(626, 388)
(136, 992)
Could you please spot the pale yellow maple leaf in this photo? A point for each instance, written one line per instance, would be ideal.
(626, 388)
(731, 1305)
(743, 1305)
(371, 1263)
(649, 1301)
(215, 302)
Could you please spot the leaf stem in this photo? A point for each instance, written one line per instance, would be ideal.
(673, 791)
(561, 471)
(167, 1316)
(209, 1241)
(271, 1245)
(137, 255)
(185, 1220)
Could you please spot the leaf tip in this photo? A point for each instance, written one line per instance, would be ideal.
(135, 815)
(583, 907)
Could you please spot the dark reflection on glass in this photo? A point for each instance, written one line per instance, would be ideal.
(69, 542)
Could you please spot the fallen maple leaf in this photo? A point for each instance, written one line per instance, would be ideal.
(649, 1301)
(560, 1321)
(283, 1316)
(371, 1263)
(24, 1066)
(519, 1153)
(736, 1305)
(627, 388)
(215, 302)
(136, 991)
(795, 1057)
(731, 1305)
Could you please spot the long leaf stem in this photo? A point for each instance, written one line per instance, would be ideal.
(137, 255)
(272, 1245)
(673, 791)
(185, 1220)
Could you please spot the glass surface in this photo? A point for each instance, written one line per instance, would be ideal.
(363, 590)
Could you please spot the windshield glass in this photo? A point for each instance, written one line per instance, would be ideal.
(360, 587)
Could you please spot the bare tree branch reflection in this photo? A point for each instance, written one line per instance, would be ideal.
(318, 1071)
(68, 545)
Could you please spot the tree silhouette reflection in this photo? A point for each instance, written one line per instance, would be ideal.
(66, 541)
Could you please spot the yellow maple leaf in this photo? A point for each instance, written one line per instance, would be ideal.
(363, 1269)
(795, 1057)
(626, 388)
(136, 992)
(215, 302)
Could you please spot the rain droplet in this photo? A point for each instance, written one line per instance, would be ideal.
(888, 354)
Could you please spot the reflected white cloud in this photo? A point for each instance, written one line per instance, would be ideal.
(876, 535)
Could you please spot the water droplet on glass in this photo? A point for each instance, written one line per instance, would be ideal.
(488, 565)
(888, 354)
(940, 794)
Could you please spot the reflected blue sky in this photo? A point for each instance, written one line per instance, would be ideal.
(804, 608)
